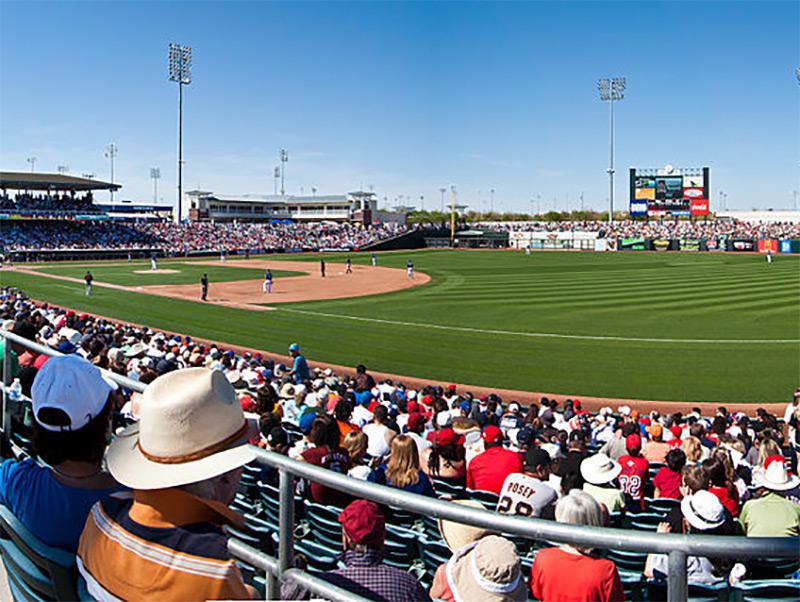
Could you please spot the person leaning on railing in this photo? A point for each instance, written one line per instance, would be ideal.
(72, 425)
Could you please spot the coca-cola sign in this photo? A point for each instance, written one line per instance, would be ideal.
(699, 206)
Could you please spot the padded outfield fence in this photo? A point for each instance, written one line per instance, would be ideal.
(280, 569)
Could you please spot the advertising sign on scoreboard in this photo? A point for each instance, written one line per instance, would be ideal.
(669, 191)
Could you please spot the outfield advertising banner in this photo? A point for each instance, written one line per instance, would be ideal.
(742, 244)
(661, 244)
(632, 244)
(638, 208)
(769, 244)
(786, 246)
(690, 244)
(715, 244)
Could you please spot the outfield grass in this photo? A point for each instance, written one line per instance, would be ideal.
(688, 327)
(125, 274)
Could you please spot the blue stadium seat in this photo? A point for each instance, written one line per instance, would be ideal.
(771, 589)
(772, 568)
(446, 488)
(661, 505)
(487, 498)
(35, 571)
(400, 547)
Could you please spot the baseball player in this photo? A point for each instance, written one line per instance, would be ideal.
(267, 287)
(204, 288)
(348, 269)
(374, 260)
(769, 256)
(410, 269)
(88, 279)
(322, 267)
(153, 263)
(528, 251)
(222, 254)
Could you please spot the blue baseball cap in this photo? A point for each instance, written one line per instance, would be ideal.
(294, 347)
(465, 405)
(306, 420)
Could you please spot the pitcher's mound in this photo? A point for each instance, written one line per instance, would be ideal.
(156, 272)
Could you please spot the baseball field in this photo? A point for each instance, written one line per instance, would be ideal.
(683, 327)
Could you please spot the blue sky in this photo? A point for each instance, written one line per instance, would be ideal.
(407, 97)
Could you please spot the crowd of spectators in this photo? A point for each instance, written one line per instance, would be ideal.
(185, 238)
(182, 451)
(666, 229)
(27, 203)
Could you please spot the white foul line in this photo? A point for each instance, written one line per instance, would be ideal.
(544, 335)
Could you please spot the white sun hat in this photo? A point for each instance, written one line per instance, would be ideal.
(191, 428)
(703, 510)
(600, 469)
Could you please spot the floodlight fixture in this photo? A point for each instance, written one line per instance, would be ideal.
(155, 175)
(32, 161)
(62, 169)
(611, 89)
(180, 64)
(797, 74)
(180, 72)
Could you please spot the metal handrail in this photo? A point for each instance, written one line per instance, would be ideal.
(678, 547)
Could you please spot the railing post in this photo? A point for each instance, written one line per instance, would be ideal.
(6, 373)
(286, 525)
(677, 585)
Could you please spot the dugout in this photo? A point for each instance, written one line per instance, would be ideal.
(481, 239)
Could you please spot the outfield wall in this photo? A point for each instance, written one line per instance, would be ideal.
(590, 241)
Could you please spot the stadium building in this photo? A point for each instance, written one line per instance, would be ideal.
(359, 206)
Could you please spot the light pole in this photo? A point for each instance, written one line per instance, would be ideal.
(180, 72)
(491, 200)
(111, 153)
(284, 156)
(155, 174)
(422, 201)
(442, 191)
(452, 215)
(32, 161)
(276, 175)
(611, 90)
(62, 169)
(313, 191)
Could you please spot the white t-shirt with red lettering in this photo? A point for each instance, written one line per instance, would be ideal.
(525, 495)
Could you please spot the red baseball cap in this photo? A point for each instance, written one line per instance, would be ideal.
(412, 407)
(427, 400)
(483, 398)
(415, 420)
(451, 387)
(633, 441)
(492, 434)
(675, 430)
(363, 523)
(446, 436)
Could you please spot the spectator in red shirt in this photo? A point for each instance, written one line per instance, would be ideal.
(569, 573)
(488, 470)
(634, 474)
(667, 481)
(328, 454)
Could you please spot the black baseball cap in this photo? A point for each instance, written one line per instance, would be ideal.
(536, 457)
(278, 436)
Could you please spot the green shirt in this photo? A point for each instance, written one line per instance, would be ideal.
(613, 498)
(771, 515)
(14, 362)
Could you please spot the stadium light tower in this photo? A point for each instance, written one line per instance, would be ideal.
(491, 200)
(180, 72)
(32, 161)
(111, 153)
(155, 174)
(611, 90)
(284, 156)
(442, 191)
(62, 169)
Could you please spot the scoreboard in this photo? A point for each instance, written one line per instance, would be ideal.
(669, 191)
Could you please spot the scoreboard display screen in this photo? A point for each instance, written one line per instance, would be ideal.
(669, 192)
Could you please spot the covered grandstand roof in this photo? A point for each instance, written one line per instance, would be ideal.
(21, 180)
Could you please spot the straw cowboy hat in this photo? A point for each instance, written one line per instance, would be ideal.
(457, 535)
(191, 428)
(487, 570)
(774, 476)
(600, 469)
